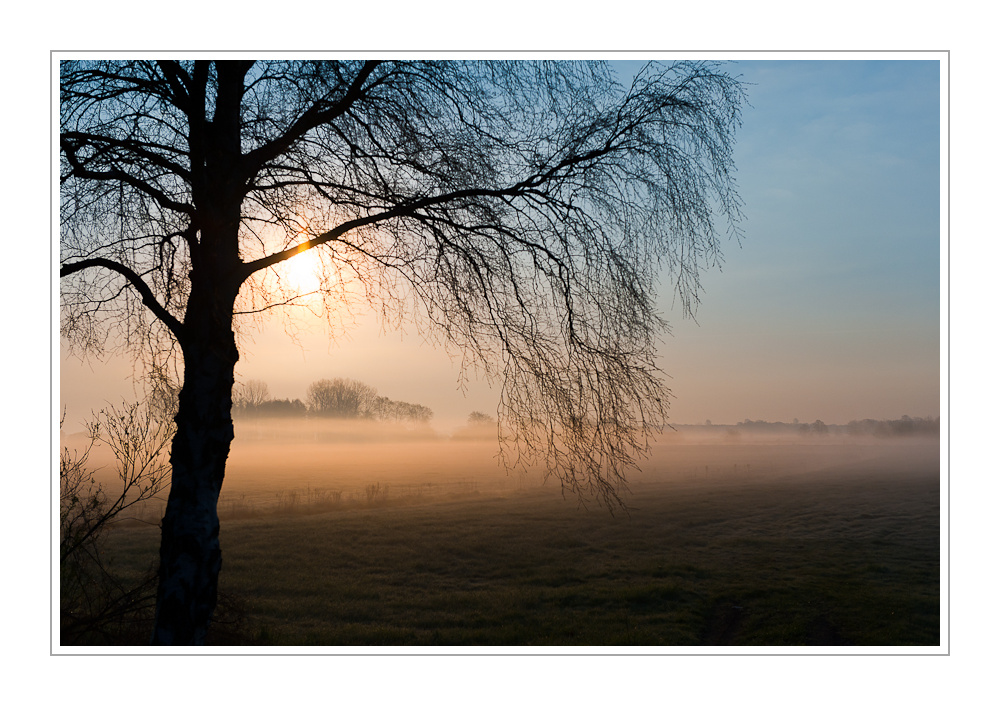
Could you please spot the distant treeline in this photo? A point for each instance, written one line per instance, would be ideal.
(904, 426)
(339, 398)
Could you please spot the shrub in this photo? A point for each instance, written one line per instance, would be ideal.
(95, 607)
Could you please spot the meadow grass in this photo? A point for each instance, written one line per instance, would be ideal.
(842, 555)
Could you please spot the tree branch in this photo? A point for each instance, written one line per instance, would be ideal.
(408, 209)
(78, 139)
(178, 81)
(312, 118)
(115, 174)
(145, 293)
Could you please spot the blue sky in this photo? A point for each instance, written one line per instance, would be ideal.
(828, 309)
(830, 306)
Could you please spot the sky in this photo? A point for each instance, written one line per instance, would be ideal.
(827, 308)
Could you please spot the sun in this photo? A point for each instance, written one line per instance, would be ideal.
(301, 274)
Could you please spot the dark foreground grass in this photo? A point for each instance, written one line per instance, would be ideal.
(845, 558)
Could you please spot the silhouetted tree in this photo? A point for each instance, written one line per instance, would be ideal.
(905, 426)
(250, 397)
(341, 398)
(480, 418)
(282, 408)
(92, 602)
(819, 427)
(386, 410)
(521, 210)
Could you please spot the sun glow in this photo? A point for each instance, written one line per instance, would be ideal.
(301, 275)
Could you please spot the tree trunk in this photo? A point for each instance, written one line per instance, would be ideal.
(190, 555)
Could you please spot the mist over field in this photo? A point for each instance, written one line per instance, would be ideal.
(342, 533)
(280, 463)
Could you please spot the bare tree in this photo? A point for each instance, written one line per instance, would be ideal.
(520, 211)
(341, 398)
(137, 435)
(479, 419)
(385, 410)
(249, 397)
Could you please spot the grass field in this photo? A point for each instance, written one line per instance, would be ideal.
(727, 542)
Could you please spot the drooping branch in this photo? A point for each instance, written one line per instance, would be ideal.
(413, 208)
(73, 140)
(138, 283)
(70, 144)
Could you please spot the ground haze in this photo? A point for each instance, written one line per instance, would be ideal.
(354, 535)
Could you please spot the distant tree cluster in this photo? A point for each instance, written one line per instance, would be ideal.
(252, 399)
(817, 427)
(481, 419)
(281, 408)
(904, 426)
(478, 426)
(339, 398)
(386, 410)
(759, 425)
